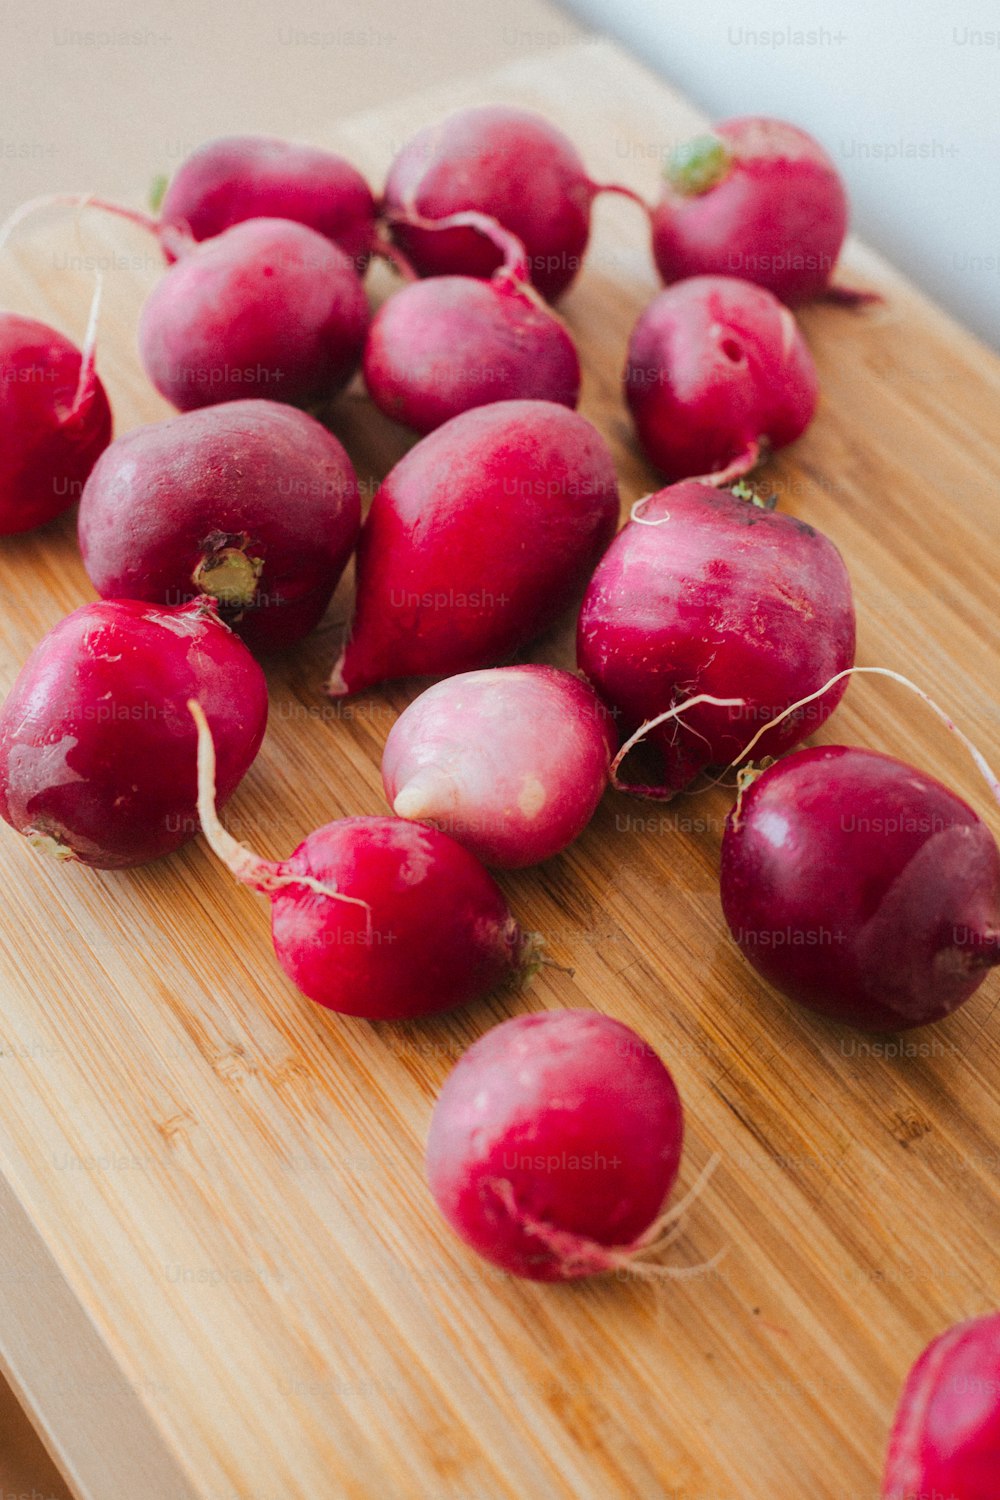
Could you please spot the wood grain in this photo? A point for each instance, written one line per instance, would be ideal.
(225, 1183)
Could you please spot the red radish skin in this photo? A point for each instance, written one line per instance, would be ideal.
(376, 917)
(554, 1145)
(862, 888)
(477, 540)
(97, 750)
(705, 593)
(267, 308)
(755, 198)
(251, 502)
(511, 761)
(946, 1437)
(718, 374)
(243, 177)
(509, 163)
(55, 422)
(440, 347)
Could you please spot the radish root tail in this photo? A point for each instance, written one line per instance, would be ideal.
(664, 718)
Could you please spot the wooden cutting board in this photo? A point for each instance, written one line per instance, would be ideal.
(221, 1275)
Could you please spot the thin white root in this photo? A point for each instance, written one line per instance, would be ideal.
(514, 254)
(634, 515)
(671, 713)
(742, 464)
(88, 354)
(989, 775)
(261, 874)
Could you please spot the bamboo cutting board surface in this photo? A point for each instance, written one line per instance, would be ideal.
(221, 1276)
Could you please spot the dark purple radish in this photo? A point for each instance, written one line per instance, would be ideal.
(250, 502)
(755, 198)
(267, 308)
(242, 177)
(97, 750)
(705, 596)
(861, 887)
(718, 374)
(377, 917)
(55, 421)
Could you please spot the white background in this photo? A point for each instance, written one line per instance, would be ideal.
(872, 81)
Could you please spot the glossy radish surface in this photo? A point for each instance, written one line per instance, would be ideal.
(755, 198)
(267, 309)
(98, 757)
(242, 177)
(442, 346)
(554, 1144)
(511, 761)
(509, 163)
(476, 541)
(706, 593)
(946, 1437)
(376, 917)
(250, 502)
(55, 422)
(862, 888)
(718, 374)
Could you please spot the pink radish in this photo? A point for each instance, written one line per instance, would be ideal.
(251, 502)
(718, 374)
(376, 917)
(946, 1438)
(508, 163)
(477, 540)
(704, 595)
(242, 177)
(861, 887)
(54, 421)
(554, 1145)
(511, 761)
(443, 346)
(754, 198)
(267, 308)
(97, 748)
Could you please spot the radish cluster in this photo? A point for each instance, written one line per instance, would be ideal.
(712, 629)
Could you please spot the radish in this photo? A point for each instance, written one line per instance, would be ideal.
(718, 374)
(375, 917)
(511, 761)
(508, 163)
(251, 502)
(861, 887)
(705, 596)
(242, 177)
(754, 198)
(267, 308)
(54, 421)
(441, 347)
(946, 1438)
(554, 1144)
(97, 749)
(478, 538)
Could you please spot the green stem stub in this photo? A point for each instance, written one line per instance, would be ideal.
(157, 192)
(227, 573)
(697, 165)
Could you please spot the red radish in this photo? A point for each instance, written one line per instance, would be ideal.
(242, 177)
(54, 421)
(946, 1438)
(511, 761)
(441, 347)
(251, 502)
(376, 917)
(508, 163)
(754, 198)
(861, 887)
(97, 748)
(718, 374)
(706, 594)
(479, 537)
(554, 1144)
(267, 308)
